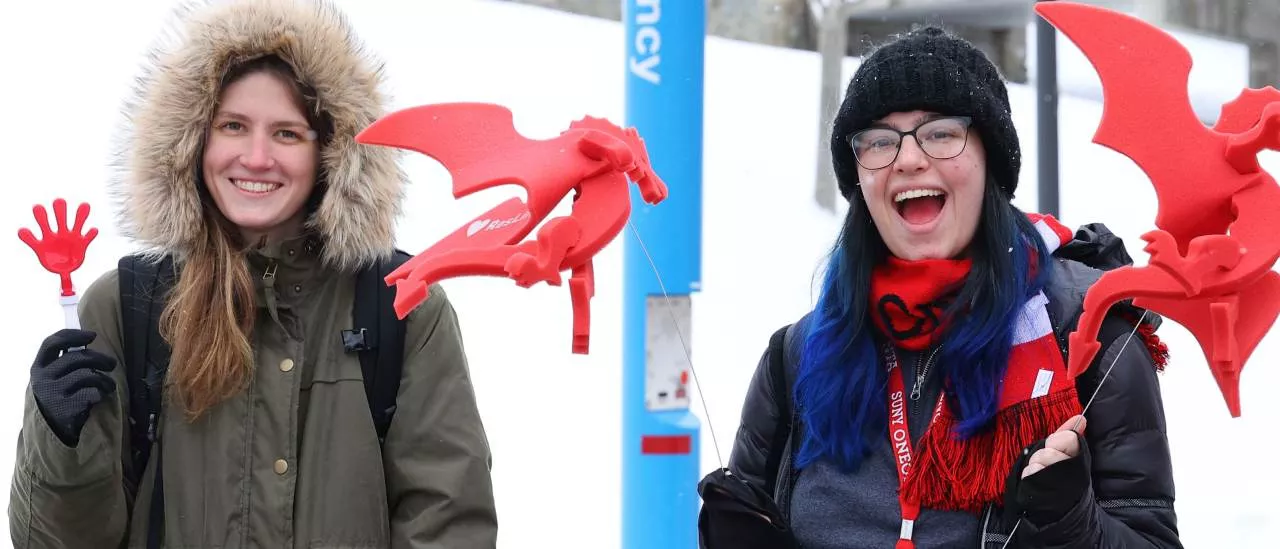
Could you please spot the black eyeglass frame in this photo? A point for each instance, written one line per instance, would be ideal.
(902, 136)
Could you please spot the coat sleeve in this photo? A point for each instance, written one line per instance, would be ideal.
(1130, 502)
(64, 497)
(436, 454)
(760, 420)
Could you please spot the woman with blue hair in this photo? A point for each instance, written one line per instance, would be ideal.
(925, 399)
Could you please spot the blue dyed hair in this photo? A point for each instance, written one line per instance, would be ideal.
(840, 387)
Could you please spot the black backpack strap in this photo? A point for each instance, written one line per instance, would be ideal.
(782, 401)
(378, 337)
(144, 286)
(133, 318)
(146, 355)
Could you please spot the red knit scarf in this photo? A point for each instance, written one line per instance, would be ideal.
(908, 298)
(1036, 395)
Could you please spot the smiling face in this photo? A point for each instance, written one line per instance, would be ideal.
(923, 207)
(260, 159)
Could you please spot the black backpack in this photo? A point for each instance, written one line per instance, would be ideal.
(740, 515)
(376, 334)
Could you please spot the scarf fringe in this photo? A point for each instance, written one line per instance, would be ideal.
(965, 475)
(1159, 351)
(1147, 332)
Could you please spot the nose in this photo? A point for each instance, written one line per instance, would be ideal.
(911, 158)
(258, 156)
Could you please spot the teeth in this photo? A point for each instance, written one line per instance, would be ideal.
(916, 193)
(255, 186)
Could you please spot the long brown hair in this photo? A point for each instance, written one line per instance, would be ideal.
(209, 316)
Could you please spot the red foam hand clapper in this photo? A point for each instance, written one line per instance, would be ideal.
(61, 250)
(479, 145)
(1215, 241)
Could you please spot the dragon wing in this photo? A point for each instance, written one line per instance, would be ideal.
(464, 137)
(1147, 115)
(479, 145)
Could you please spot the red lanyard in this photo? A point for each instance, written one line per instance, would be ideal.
(900, 442)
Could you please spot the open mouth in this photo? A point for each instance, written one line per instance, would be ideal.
(255, 187)
(920, 206)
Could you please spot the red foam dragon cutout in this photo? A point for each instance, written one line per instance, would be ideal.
(1218, 223)
(479, 145)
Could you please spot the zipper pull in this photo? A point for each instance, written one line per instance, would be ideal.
(922, 370)
(269, 289)
(269, 276)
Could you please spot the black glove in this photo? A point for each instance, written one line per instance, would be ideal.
(1048, 495)
(66, 384)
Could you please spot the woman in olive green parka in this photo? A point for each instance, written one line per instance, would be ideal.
(240, 162)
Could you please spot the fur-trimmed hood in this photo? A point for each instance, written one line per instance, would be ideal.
(174, 100)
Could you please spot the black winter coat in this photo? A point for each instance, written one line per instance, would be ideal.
(1130, 503)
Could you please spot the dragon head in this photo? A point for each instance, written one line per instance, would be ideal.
(1252, 121)
(652, 189)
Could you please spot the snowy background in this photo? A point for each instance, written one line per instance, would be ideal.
(554, 418)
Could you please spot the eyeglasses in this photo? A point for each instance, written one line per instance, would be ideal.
(940, 138)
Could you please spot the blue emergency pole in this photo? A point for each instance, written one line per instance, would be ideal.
(660, 456)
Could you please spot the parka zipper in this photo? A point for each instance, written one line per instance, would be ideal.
(922, 372)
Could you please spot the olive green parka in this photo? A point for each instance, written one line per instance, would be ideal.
(294, 460)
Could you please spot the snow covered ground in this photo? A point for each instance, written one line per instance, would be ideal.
(554, 418)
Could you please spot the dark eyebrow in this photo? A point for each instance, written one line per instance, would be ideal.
(278, 124)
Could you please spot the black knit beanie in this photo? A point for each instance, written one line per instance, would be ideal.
(933, 70)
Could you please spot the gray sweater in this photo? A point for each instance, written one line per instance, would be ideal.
(831, 509)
